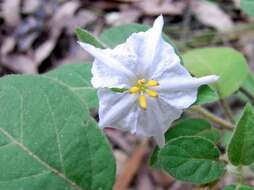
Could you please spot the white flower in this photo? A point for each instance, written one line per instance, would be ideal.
(158, 87)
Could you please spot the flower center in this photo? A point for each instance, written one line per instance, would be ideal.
(142, 87)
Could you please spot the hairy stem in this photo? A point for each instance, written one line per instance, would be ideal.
(240, 177)
(211, 117)
(227, 111)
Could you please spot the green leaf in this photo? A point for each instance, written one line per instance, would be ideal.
(226, 137)
(206, 95)
(229, 64)
(153, 159)
(192, 159)
(249, 83)
(77, 77)
(48, 140)
(188, 127)
(238, 187)
(248, 87)
(193, 127)
(247, 6)
(240, 149)
(87, 37)
(117, 35)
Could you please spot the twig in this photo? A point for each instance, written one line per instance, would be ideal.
(212, 36)
(186, 21)
(213, 118)
(131, 167)
(227, 111)
(247, 94)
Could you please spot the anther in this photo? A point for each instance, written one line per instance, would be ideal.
(134, 90)
(142, 101)
(141, 81)
(152, 83)
(152, 93)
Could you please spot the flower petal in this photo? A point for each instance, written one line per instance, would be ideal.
(114, 107)
(107, 60)
(107, 70)
(122, 111)
(156, 119)
(181, 83)
(182, 92)
(151, 44)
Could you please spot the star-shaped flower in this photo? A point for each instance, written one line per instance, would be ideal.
(158, 87)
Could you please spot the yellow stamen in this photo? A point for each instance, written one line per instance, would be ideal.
(134, 90)
(152, 93)
(141, 88)
(142, 101)
(141, 82)
(152, 83)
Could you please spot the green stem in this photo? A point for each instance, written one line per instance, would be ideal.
(240, 177)
(227, 111)
(211, 117)
(247, 94)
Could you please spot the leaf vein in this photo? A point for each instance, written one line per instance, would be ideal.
(43, 163)
(57, 134)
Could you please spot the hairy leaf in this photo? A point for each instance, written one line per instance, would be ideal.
(87, 37)
(240, 149)
(48, 140)
(77, 76)
(187, 127)
(192, 159)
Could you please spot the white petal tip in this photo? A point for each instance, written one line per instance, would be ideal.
(160, 140)
(212, 78)
(159, 22)
(208, 79)
(101, 125)
(85, 46)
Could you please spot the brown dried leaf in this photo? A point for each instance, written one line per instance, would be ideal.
(181, 186)
(20, 63)
(10, 12)
(144, 181)
(123, 17)
(121, 159)
(127, 1)
(82, 18)
(247, 43)
(166, 7)
(210, 14)
(237, 3)
(162, 178)
(8, 45)
(44, 50)
(117, 138)
(63, 16)
(30, 6)
(26, 42)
